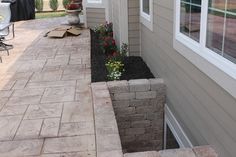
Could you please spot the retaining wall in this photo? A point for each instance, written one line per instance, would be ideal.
(108, 141)
(139, 108)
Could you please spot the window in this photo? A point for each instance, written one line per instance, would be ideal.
(146, 12)
(146, 7)
(221, 28)
(190, 15)
(219, 25)
(94, 1)
(208, 28)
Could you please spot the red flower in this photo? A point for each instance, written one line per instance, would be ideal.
(114, 54)
(113, 42)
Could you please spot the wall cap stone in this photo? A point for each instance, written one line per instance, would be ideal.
(139, 85)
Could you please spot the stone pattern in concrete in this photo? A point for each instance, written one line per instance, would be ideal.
(45, 97)
(139, 108)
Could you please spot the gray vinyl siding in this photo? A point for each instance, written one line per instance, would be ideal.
(95, 16)
(206, 111)
(134, 27)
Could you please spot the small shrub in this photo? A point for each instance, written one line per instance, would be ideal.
(53, 4)
(115, 70)
(39, 5)
(104, 29)
(65, 3)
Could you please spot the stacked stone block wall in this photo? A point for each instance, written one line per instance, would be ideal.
(139, 109)
(108, 142)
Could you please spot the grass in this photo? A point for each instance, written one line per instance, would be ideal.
(41, 15)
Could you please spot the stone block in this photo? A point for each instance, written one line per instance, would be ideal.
(137, 117)
(205, 151)
(139, 85)
(108, 142)
(136, 103)
(124, 125)
(126, 139)
(101, 94)
(118, 86)
(121, 103)
(156, 84)
(144, 109)
(124, 96)
(134, 131)
(140, 124)
(187, 152)
(99, 85)
(125, 111)
(114, 153)
(146, 95)
(142, 154)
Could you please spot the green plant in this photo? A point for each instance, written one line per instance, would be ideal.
(124, 49)
(39, 5)
(65, 3)
(53, 4)
(104, 29)
(115, 69)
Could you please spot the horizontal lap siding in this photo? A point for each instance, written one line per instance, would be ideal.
(134, 27)
(95, 16)
(204, 109)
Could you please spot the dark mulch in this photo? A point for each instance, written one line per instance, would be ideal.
(135, 67)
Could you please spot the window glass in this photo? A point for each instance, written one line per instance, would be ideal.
(190, 17)
(171, 142)
(221, 28)
(146, 7)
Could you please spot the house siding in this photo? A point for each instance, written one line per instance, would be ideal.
(134, 28)
(95, 16)
(204, 109)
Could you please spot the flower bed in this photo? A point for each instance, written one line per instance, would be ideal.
(108, 63)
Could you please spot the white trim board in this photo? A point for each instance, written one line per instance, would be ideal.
(124, 22)
(176, 129)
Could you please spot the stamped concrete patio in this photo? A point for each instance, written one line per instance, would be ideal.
(45, 96)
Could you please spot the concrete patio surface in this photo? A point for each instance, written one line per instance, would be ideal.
(45, 96)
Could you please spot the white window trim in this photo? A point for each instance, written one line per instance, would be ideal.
(95, 4)
(218, 68)
(176, 130)
(145, 19)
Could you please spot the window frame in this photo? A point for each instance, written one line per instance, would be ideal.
(220, 69)
(147, 19)
(176, 129)
(95, 3)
